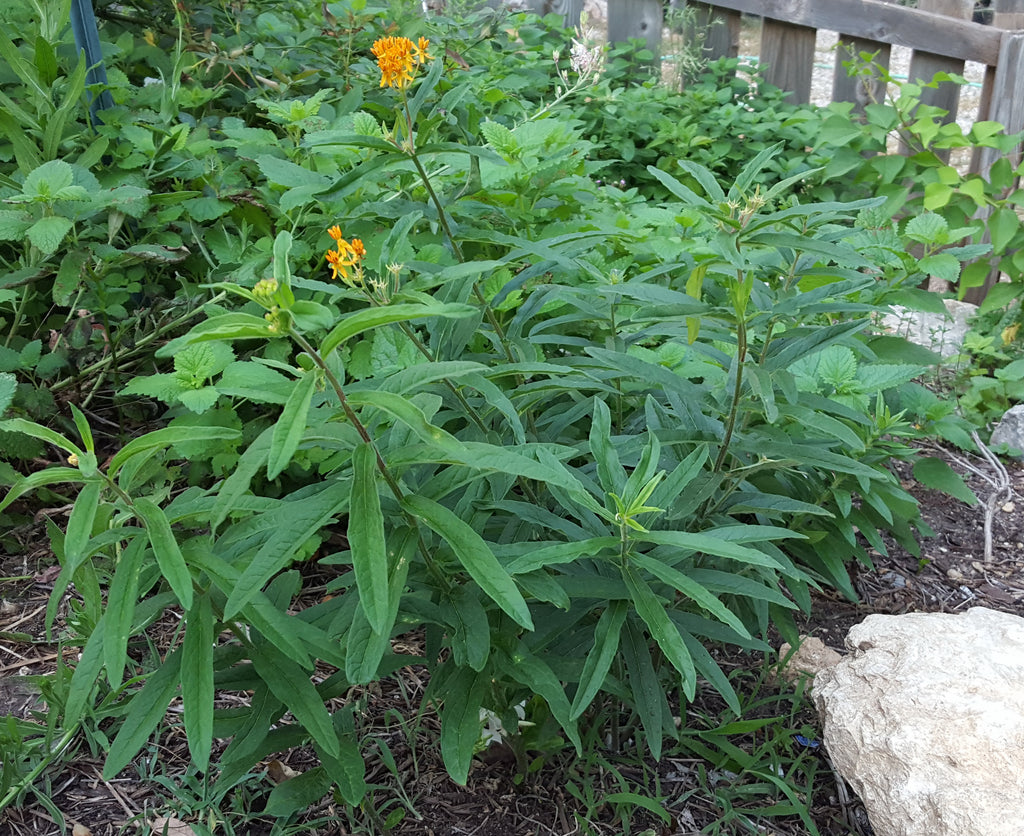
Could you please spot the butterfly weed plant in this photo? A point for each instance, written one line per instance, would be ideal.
(545, 438)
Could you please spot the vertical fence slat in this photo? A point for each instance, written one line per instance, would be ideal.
(1008, 14)
(721, 29)
(1007, 109)
(628, 19)
(861, 91)
(925, 65)
(787, 57)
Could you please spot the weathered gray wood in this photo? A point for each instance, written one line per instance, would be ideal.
(570, 10)
(875, 20)
(721, 29)
(1008, 14)
(861, 91)
(629, 19)
(925, 65)
(787, 58)
(1007, 108)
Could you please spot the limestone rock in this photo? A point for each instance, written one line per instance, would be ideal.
(942, 334)
(812, 656)
(925, 719)
(1010, 429)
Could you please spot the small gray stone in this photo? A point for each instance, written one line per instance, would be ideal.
(1010, 429)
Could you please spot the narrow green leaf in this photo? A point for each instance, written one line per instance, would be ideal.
(167, 437)
(368, 318)
(644, 685)
(536, 674)
(298, 793)
(121, 599)
(475, 556)
(366, 538)
(460, 721)
(662, 630)
(609, 470)
(82, 423)
(290, 525)
(197, 681)
(290, 684)
(692, 590)
(290, 426)
(80, 523)
(148, 707)
(165, 547)
(600, 658)
(237, 484)
(471, 633)
(86, 676)
(408, 413)
(20, 425)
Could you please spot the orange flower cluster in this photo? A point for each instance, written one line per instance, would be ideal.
(347, 255)
(398, 59)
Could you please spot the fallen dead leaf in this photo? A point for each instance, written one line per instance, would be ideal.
(80, 830)
(279, 772)
(170, 826)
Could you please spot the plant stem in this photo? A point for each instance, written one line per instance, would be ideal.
(382, 467)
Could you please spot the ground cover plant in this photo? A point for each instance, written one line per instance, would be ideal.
(353, 353)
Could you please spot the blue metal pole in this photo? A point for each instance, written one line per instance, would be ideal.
(87, 37)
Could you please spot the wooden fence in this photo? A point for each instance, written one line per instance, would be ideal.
(940, 34)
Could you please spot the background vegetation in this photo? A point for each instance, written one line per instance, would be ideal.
(605, 394)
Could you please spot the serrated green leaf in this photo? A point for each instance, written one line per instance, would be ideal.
(8, 386)
(47, 233)
(475, 556)
(927, 228)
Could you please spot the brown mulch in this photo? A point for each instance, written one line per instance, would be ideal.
(951, 576)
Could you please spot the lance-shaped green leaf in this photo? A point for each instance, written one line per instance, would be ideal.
(662, 630)
(165, 547)
(148, 707)
(692, 590)
(460, 721)
(369, 318)
(407, 412)
(290, 684)
(599, 660)
(197, 681)
(366, 538)
(121, 598)
(167, 437)
(475, 555)
(290, 426)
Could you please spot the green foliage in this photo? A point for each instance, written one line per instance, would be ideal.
(554, 435)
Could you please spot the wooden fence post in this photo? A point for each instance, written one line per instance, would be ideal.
(570, 10)
(629, 19)
(721, 30)
(1008, 14)
(861, 90)
(1008, 110)
(787, 58)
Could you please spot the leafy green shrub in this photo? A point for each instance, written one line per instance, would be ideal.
(555, 438)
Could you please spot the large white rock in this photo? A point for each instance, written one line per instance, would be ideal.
(925, 719)
(942, 334)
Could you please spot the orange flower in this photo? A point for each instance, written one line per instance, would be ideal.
(422, 56)
(345, 256)
(395, 59)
